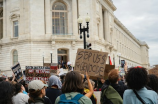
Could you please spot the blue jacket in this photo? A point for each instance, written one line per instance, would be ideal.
(149, 96)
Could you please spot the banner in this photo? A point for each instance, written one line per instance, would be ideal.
(53, 67)
(37, 73)
(92, 61)
(17, 72)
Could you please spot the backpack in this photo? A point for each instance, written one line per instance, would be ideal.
(74, 100)
(110, 95)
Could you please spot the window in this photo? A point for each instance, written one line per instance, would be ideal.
(98, 28)
(59, 18)
(15, 29)
(15, 57)
(1, 24)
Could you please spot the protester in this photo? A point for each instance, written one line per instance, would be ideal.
(73, 87)
(99, 84)
(137, 79)
(69, 65)
(6, 92)
(46, 99)
(111, 90)
(19, 97)
(2, 79)
(121, 80)
(53, 90)
(86, 90)
(36, 92)
(153, 82)
(62, 78)
(113, 77)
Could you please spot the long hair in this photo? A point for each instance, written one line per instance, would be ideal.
(17, 88)
(73, 83)
(33, 94)
(6, 92)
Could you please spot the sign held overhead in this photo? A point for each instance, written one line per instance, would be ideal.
(91, 61)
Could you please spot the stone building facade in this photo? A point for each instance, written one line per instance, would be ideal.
(31, 29)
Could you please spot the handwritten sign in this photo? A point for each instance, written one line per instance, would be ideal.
(154, 71)
(37, 73)
(17, 72)
(91, 61)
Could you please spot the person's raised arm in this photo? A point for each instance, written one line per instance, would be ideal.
(13, 77)
(89, 94)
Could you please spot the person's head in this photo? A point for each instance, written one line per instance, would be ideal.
(102, 80)
(6, 92)
(153, 82)
(2, 79)
(54, 81)
(19, 88)
(73, 83)
(113, 76)
(137, 78)
(36, 89)
(85, 84)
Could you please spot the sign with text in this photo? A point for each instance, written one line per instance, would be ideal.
(154, 71)
(92, 61)
(37, 73)
(17, 72)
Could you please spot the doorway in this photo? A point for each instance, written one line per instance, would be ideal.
(62, 58)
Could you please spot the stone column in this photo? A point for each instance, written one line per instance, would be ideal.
(106, 23)
(4, 19)
(74, 13)
(48, 19)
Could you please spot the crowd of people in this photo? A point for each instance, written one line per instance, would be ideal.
(136, 87)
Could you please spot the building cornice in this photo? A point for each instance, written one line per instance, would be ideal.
(129, 33)
(110, 3)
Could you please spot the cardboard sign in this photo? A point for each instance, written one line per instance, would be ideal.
(154, 71)
(108, 68)
(91, 61)
(17, 72)
(37, 73)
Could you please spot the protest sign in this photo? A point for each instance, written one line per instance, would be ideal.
(108, 68)
(154, 71)
(17, 72)
(37, 73)
(91, 61)
(53, 67)
(97, 95)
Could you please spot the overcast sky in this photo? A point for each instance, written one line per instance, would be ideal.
(141, 19)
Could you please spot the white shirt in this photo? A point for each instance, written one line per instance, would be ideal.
(20, 98)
